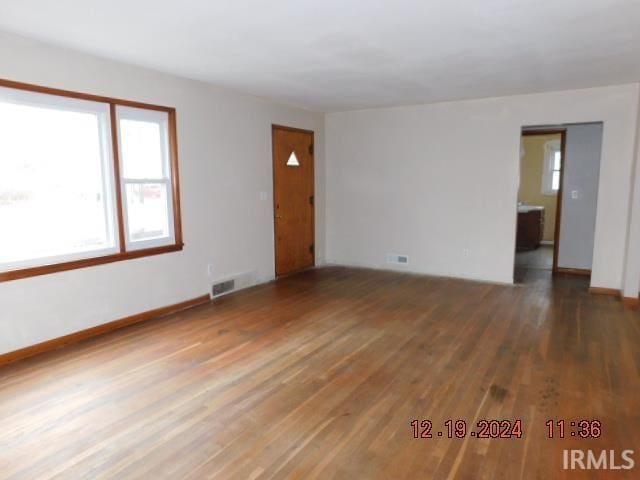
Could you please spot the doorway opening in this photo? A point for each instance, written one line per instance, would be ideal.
(557, 199)
(293, 199)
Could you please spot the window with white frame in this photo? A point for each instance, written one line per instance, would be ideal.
(552, 167)
(146, 177)
(56, 187)
(62, 204)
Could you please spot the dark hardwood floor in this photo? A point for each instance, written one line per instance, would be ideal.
(319, 375)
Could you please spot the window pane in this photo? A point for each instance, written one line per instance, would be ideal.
(557, 158)
(142, 155)
(147, 211)
(146, 175)
(293, 160)
(555, 184)
(54, 197)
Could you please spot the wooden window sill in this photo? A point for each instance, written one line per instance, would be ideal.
(87, 262)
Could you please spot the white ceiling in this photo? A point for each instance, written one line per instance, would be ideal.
(332, 55)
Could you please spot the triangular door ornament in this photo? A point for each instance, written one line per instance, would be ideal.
(293, 160)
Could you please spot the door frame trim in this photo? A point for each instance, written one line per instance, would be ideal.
(556, 234)
(274, 128)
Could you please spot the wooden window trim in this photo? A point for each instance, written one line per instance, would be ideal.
(175, 186)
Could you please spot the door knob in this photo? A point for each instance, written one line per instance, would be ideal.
(278, 216)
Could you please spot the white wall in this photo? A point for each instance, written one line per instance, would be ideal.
(580, 174)
(435, 180)
(631, 279)
(429, 181)
(225, 162)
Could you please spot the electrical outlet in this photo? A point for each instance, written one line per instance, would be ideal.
(466, 253)
(210, 269)
(574, 194)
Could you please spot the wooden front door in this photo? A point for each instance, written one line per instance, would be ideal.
(293, 201)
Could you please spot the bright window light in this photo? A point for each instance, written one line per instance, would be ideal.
(146, 177)
(555, 174)
(84, 180)
(56, 188)
(552, 167)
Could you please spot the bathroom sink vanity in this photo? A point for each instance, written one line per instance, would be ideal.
(530, 227)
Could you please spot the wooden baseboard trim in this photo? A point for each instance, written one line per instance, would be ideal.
(100, 330)
(604, 291)
(631, 302)
(572, 271)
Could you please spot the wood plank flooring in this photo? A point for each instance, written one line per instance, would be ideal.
(319, 375)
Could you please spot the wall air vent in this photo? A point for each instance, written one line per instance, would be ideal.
(223, 287)
(398, 259)
(235, 282)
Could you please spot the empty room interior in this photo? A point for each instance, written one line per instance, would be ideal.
(319, 240)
